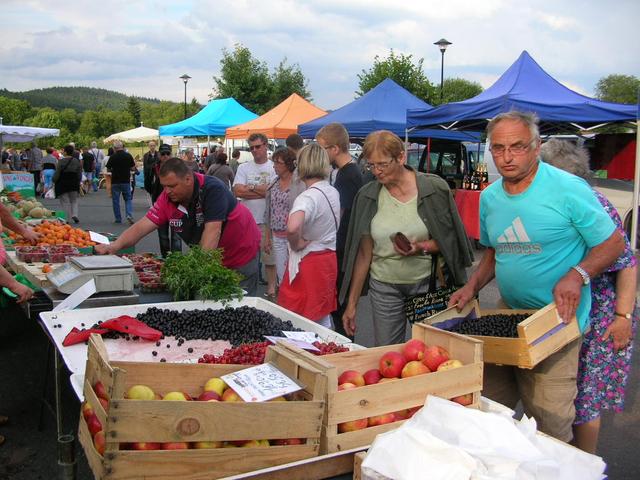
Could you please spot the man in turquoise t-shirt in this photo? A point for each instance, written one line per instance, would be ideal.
(546, 236)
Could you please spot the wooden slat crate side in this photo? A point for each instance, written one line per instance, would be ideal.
(91, 397)
(539, 323)
(452, 312)
(170, 421)
(401, 394)
(98, 367)
(464, 348)
(358, 458)
(359, 438)
(201, 464)
(554, 343)
(505, 351)
(94, 459)
(302, 366)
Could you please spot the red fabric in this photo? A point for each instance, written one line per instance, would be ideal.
(79, 336)
(124, 324)
(623, 163)
(468, 203)
(313, 292)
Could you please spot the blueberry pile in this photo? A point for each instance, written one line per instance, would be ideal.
(237, 325)
(498, 325)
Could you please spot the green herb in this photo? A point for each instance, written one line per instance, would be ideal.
(200, 273)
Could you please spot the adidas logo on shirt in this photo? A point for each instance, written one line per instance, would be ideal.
(515, 240)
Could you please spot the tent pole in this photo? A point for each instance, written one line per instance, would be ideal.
(636, 187)
(406, 145)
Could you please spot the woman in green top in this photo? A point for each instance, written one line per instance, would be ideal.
(400, 200)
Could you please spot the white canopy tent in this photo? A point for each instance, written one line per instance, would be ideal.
(15, 133)
(140, 134)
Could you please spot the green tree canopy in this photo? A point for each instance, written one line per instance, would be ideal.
(287, 79)
(134, 109)
(46, 118)
(456, 90)
(618, 88)
(14, 112)
(401, 69)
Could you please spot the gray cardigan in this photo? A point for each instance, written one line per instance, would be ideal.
(439, 214)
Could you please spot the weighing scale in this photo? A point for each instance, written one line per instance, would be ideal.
(110, 273)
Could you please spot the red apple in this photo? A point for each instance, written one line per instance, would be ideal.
(414, 350)
(146, 446)
(207, 444)
(209, 396)
(413, 368)
(87, 410)
(391, 364)
(288, 441)
(412, 411)
(94, 425)
(353, 425)
(401, 415)
(351, 376)
(101, 392)
(230, 395)
(450, 365)
(104, 403)
(98, 442)
(434, 355)
(174, 446)
(346, 386)
(255, 443)
(381, 419)
(372, 376)
(465, 400)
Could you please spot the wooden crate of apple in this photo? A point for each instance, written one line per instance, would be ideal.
(161, 420)
(373, 390)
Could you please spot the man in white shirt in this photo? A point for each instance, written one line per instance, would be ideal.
(250, 185)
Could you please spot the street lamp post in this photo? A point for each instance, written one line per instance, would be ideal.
(442, 45)
(185, 78)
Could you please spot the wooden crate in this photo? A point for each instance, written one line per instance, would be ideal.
(542, 334)
(174, 421)
(363, 402)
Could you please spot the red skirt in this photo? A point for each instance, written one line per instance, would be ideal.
(313, 292)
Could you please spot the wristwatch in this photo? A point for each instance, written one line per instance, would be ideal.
(252, 187)
(624, 315)
(586, 279)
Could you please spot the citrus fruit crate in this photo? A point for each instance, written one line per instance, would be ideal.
(540, 335)
(126, 422)
(399, 396)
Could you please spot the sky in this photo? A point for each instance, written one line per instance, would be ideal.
(141, 47)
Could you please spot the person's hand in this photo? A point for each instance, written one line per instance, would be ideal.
(29, 235)
(566, 294)
(267, 246)
(102, 249)
(619, 331)
(23, 292)
(349, 320)
(461, 297)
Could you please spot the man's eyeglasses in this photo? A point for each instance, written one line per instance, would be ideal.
(381, 167)
(255, 147)
(515, 149)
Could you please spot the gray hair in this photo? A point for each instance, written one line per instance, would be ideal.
(94, 144)
(118, 145)
(566, 156)
(528, 119)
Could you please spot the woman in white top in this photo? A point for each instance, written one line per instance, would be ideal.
(309, 284)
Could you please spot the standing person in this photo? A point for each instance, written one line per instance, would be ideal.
(605, 355)
(203, 212)
(14, 158)
(295, 143)
(89, 168)
(120, 164)
(99, 156)
(279, 201)
(235, 156)
(190, 160)
(149, 162)
(250, 185)
(221, 170)
(309, 284)
(169, 240)
(49, 163)
(334, 138)
(24, 159)
(66, 181)
(546, 236)
(420, 206)
(35, 165)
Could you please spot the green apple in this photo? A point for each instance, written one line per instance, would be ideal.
(140, 392)
(215, 384)
(179, 396)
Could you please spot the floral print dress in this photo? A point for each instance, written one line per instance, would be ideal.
(603, 372)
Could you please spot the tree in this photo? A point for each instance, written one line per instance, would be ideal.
(14, 112)
(45, 117)
(618, 88)
(134, 109)
(401, 69)
(456, 90)
(287, 79)
(244, 78)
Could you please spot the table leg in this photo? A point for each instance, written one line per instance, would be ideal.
(66, 442)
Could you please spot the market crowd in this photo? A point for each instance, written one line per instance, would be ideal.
(327, 231)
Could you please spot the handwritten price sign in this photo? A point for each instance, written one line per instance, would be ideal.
(260, 383)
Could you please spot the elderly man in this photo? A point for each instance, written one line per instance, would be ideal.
(546, 237)
(120, 164)
(250, 185)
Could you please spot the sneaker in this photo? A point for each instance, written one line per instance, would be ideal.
(130, 220)
(75, 219)
(118, 221)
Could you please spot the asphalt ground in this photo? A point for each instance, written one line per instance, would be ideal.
(26, 377)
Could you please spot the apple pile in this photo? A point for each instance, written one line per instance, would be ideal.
(416, 358)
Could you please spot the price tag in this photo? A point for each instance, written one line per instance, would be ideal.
(260, 383)
(292, 341)
(309, 337)
(98, 238)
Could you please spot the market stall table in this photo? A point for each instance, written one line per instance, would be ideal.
(468, 203)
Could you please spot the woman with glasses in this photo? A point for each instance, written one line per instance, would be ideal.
(309, 284)
(421, 207)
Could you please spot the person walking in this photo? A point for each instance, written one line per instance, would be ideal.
(99, 156)
(120, 164)
(66, 181)
(49, 163)
(88, 169)
(221, 170)
(35, 165)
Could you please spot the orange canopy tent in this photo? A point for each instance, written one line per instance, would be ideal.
(279, 122)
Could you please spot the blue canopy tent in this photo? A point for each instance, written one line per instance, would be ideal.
(525, 86)
(381, 108)
(213, 119)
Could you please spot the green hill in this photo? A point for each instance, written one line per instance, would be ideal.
(78, 98)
